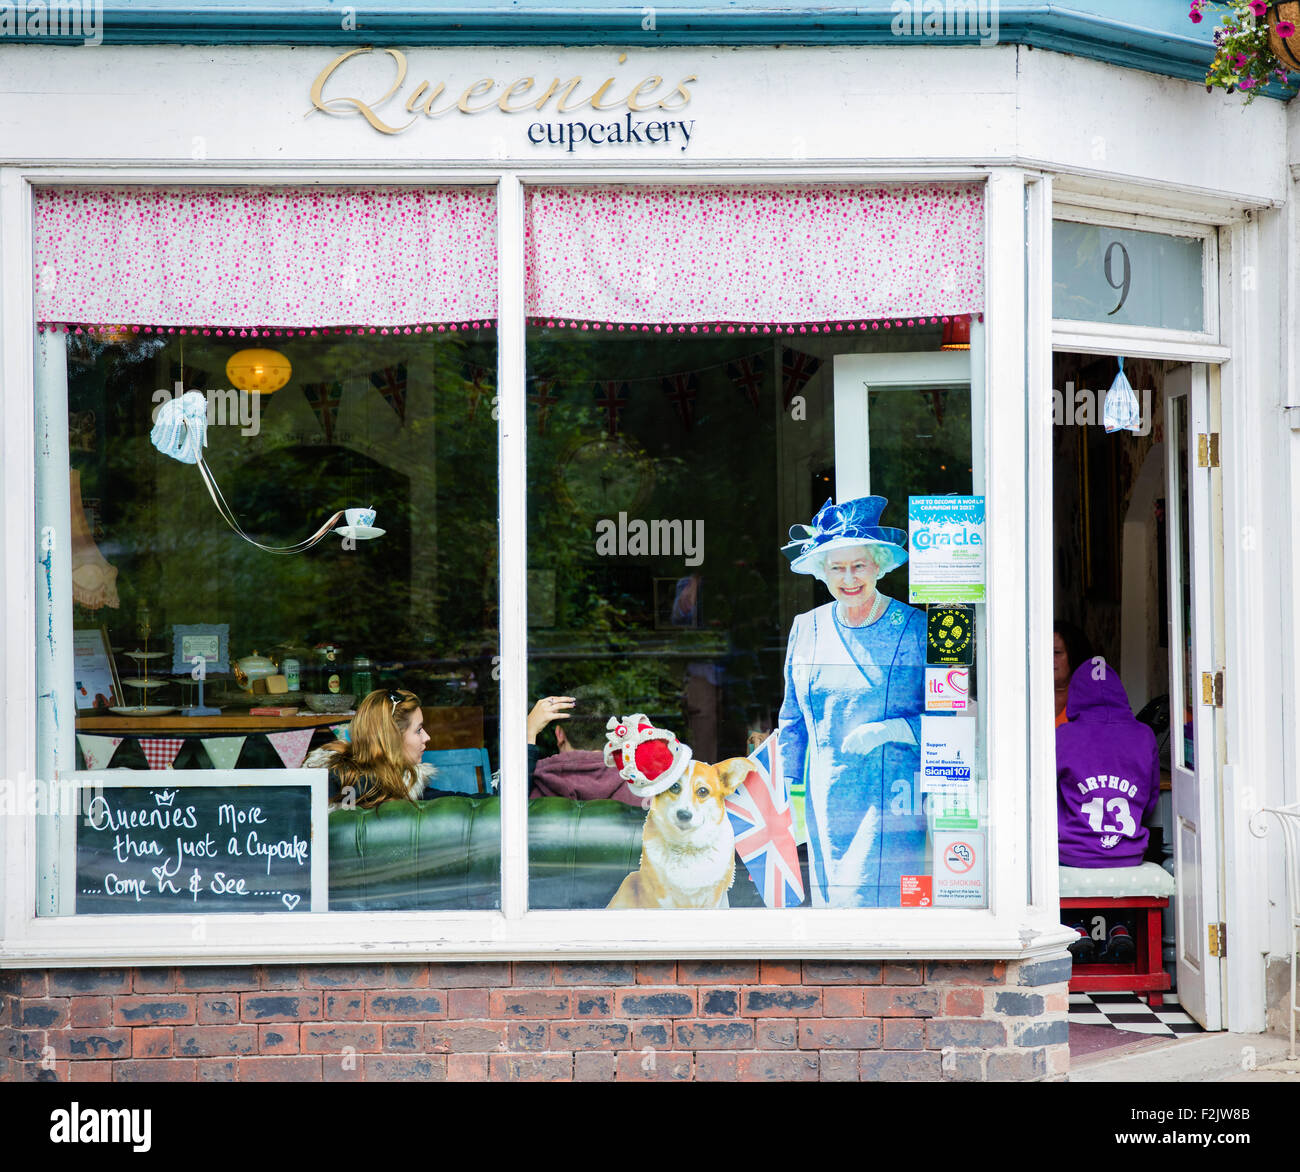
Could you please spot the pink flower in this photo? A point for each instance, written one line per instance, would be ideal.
(1195, 16)
(1239, 61)
(1247, 83)
(1259, 7)
(1285, 28)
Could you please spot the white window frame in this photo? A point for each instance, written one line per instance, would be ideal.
(1014, 926)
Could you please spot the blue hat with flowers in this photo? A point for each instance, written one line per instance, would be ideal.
(841, 526)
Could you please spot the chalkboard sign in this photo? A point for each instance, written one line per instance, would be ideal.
(181, 845)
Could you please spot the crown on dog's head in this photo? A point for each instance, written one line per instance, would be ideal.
(649, 759)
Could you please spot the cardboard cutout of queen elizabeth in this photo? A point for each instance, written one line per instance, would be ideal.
(854, 694)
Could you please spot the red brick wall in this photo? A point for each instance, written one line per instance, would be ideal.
(591, 1021)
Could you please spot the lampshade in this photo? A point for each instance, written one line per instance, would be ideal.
(956, 334)
(94, 581)
(258, 371)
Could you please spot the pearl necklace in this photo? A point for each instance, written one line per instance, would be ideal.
(877, 609)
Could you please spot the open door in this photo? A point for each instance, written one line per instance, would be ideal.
(1195, 690)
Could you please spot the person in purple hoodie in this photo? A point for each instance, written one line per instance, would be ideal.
(1107, 773)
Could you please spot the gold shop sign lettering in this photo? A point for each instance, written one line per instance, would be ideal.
(523, 95)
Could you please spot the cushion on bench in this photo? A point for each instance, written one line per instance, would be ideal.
(1150, 879)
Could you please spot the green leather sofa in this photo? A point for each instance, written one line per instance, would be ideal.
(445, 854)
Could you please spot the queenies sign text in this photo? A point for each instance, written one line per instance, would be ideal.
(633, 108)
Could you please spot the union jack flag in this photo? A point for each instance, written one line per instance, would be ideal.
(611, 397)
(478, 378)
(544, 401)
(764, 825)
(796, 369)
(324, 399)
(391, 383)
(747, 374)
(680, 389)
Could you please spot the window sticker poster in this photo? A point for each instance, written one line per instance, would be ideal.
(945, 542)
(947, 689)
(950, 636)
(947, 755)
(960, 868)
(92, 671)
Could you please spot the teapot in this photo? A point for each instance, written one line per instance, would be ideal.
(250, 668)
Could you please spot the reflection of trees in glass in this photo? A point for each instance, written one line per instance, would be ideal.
(920, 446)
(418, 594)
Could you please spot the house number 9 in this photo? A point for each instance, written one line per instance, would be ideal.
(1125, 281)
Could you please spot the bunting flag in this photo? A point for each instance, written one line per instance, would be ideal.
(160, 752)
(937, 401)
(291, 745)
(796, 369)
(97, 751)
(478, 378)
(391, 383)
(611, 397)
(681, 390)
(747, 374)
(324, 399)
(223, 751)
(544, 401)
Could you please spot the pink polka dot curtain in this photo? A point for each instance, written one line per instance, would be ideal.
(266, 257)
(752, 254)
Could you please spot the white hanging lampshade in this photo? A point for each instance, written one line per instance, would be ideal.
(258, 371)
(94, 581)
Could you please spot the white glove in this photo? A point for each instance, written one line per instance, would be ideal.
(868, 737)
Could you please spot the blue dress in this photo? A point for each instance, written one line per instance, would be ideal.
(866, 828)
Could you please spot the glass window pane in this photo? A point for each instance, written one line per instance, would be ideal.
(399, 607)
(664, 475)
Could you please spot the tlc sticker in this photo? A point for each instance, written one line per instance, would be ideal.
(947, 689)
(949, 636)
(914, 891)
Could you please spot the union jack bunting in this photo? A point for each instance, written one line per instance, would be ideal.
(796, 369)
(681, 390)
(324, 399)
(764, 826)
(391, 383)
(477, 377)
(747, 374)
(543, 400)
(611, 397)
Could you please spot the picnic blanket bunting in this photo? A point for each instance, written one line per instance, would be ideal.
(324, 399)
(160, 752)
(611, 397)
(747, 374)
(391, 383)
(97, 752)
(291, 745)
(796, 369)
(223, 751)
(681, 390)
(762, 820)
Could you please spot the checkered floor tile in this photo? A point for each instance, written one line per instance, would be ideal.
(1127, 1011)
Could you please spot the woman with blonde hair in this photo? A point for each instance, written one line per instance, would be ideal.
(380, 759)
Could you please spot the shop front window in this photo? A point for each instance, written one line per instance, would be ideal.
(751, 694)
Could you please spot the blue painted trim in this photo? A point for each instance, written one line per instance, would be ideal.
(1154, 37)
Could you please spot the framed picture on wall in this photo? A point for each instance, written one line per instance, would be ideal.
(96, 683)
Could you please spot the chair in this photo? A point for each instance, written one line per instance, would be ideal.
(461, 771)
(1289, 819)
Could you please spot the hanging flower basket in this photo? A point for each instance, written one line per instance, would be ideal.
(1285, 18)
(1256, 44)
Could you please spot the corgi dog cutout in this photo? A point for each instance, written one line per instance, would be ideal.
(688, 849)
